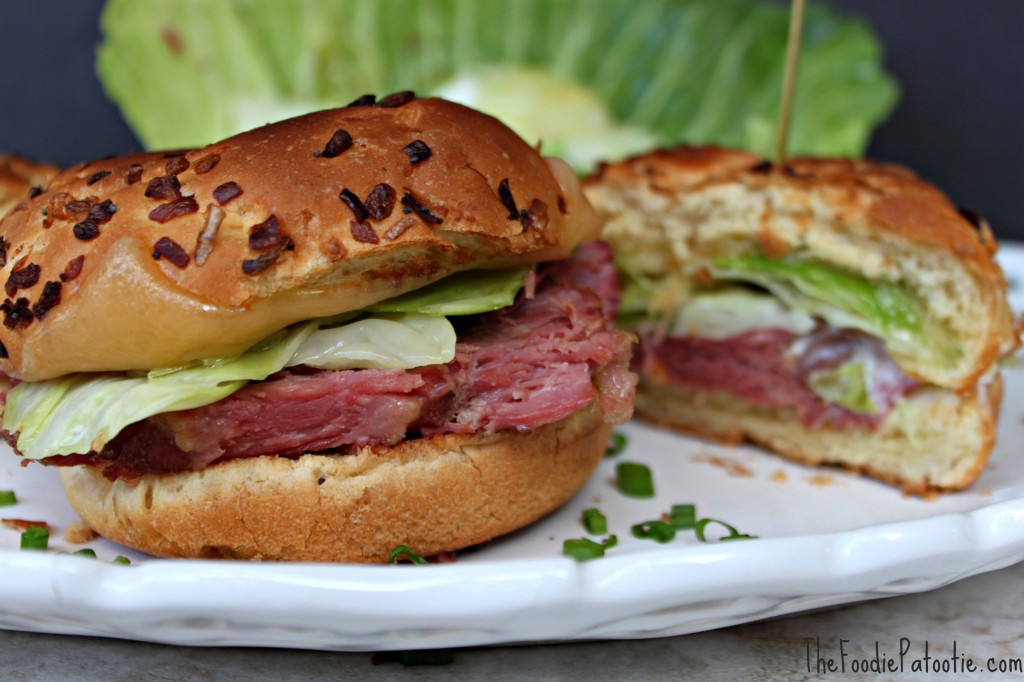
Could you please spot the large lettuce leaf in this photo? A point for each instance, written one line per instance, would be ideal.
(188, 72)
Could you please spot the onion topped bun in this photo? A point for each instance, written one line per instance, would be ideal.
(837, 311)
(160, 259)
(19, 178)
(319, 340)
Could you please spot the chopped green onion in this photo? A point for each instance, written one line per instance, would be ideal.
(582, 549)
(635, 479)
(734, 534)
(595, 522)
(35, 538)
(121, 560)
(659, 531)
(683, 516)
(85, 551)
(616, 445)
(428, 657)
(585, 549)
(7, 498)
(403, 551)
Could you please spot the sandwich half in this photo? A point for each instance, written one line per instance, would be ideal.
(320, 340)
(834, 311)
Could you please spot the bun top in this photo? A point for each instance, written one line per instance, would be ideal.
(670, 211)
(879, 197)
(18, 177)
(158, 259)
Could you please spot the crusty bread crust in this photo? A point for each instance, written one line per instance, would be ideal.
(136, 304)
(434, 495)
(938, 441)
(18, 176)
(670, 211)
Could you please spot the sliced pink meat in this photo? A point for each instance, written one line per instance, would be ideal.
(533, 363)
(771, 368)
(588, 268)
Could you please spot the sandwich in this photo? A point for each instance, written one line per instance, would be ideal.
(356, 330)
(834, 311)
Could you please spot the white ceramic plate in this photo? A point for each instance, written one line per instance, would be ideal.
(825, 538)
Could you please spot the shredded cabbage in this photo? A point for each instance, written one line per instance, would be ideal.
(846, 385)
(464, 293)
(886, 310)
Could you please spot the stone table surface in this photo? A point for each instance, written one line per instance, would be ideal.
(980, 617)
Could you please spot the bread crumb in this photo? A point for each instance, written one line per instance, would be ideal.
(25, 524)
(821, 479)
(730, 465)
(79, 532)
(778, 477)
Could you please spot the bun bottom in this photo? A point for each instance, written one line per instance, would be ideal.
(434, 495)
(938, 441)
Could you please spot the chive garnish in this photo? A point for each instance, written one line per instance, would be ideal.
(35, 538)
(403, 551)
(659, 531)
(7, 498)
(582, 549)
(121, 560)
(616, 444)
(585, 549)
(683, 516)
(635, 479)
(85, 551)
(698, 530)
(594, 521)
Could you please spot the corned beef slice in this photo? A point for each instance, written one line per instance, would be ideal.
(531, 364)
(770, 368)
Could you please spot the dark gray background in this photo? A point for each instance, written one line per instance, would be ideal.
(960, 64)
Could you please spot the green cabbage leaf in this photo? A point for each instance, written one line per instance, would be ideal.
(589, 78)
(464, 293)
(846, 386)
(886, 310)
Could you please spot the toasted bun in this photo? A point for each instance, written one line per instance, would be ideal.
(18, 176)
(938, 441)
(226, 277)
(670, 212)
(434, 495)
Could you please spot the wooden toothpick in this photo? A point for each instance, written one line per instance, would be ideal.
(796, 24)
